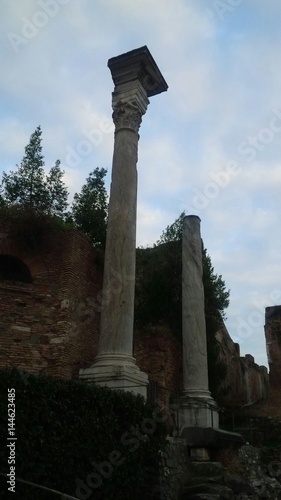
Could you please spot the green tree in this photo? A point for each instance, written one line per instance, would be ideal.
(29, 189)
(26, 186)
(57, 191)
(2, 202)
(216, 295)
(172, 232)
(89, 208)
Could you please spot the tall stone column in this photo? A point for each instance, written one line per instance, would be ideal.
(197, 407)
(136, 77)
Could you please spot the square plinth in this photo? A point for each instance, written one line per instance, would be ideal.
(197, 412)
(120, 377)
(138, 64)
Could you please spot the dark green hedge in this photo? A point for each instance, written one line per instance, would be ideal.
(63, 427)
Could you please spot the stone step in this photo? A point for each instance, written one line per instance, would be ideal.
(204, 496)
(206, 469)
(220, 491)
(239, 486)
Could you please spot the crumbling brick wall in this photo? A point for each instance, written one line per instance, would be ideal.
(159, 354)
(246, 381)
(51, 325)
(273, 343)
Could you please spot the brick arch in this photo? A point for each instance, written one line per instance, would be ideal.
(14, 269)
(34, 262)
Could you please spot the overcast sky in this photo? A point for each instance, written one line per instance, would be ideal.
(210, 145)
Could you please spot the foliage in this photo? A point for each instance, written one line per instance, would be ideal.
(38, 201)
(2, 201)
(216, 301)
(217, 297)
(63, 427)
(57, 191)
(28, 188)
(30, 227)
(89, 208)
(217, 369)
(172, 232)
(158, 286)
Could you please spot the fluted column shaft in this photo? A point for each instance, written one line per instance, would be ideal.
(195, 364)
(120, 256)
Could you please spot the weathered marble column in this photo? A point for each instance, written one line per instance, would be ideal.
(136, 77)
(197, 407)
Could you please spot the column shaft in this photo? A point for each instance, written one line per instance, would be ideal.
(197, 408)
(195, 365)
(119, 268)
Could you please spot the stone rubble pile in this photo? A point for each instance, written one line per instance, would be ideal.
(255, 476)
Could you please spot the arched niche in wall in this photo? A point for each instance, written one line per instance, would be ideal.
(14, 269)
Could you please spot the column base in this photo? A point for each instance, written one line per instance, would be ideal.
(197, 411)
(117, 371)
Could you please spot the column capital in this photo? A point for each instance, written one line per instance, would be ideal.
(138, 64)
(126, 115)
(136, 77)
(129, 103)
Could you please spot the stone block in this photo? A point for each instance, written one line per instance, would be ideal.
(57, 340)
(212, 438)
(207, 491)
(116, 372)
(249, 358)
(138, 64)
(20, 328)
(197, 413)
(200, 454)
(206, 469)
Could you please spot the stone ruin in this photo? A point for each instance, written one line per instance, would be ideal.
(64, 321)
(58, 318)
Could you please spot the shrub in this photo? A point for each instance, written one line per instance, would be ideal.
(70, 433)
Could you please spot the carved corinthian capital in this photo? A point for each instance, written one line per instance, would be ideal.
(127, 115)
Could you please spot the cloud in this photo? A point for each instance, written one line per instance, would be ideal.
(150, 224)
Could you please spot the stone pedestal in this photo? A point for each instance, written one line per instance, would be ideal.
(197, 413)
(136, 77)
(117, 371)
(197, 408)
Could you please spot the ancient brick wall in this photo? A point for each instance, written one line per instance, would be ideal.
(245, 381)
(159, 354)
(51, 324)
(273, 343)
